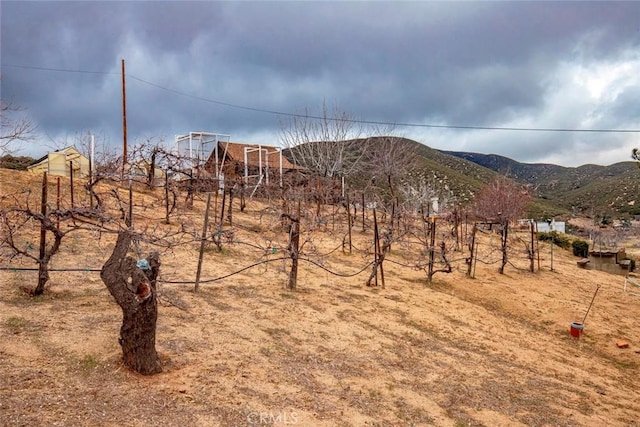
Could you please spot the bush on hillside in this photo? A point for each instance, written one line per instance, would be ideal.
(557, 238)
(580, 248)
(16, 162)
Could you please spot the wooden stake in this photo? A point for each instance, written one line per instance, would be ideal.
(533, 255)
(472, 250)
(203, 240)
(475, 262)
(294, 249)
(363, 209)
(376, 245)
(432, 251)
(538, 247)
(349, 221)
(43, 274)
(224, 200)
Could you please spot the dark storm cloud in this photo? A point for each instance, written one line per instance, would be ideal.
(513, 64)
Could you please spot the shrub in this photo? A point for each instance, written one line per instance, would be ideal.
(16, 162)
(558, 239)
(580, 248)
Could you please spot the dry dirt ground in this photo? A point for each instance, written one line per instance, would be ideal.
(243, 351)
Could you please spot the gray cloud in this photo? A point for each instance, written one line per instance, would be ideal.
(502, 64)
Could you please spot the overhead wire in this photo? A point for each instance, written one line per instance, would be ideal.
(336, 119)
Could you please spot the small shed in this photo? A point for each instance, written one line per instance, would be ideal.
(61, 163)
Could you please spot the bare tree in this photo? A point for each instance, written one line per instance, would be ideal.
(501, 202)
(381, 246)
(387, 163)
(16, 214)
(148, 160)
(14, 126)
(390, 160)
(443, 260)
(325, 144)
(419, 193)
(131, 281)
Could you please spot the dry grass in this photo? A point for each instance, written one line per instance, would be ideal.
(494, 350)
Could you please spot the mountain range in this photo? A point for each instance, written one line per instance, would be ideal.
(590, 190)
(558, 192)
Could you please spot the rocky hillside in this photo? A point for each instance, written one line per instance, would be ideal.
(612, 190)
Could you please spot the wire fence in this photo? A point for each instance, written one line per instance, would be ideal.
(490, 257)
(414, 235)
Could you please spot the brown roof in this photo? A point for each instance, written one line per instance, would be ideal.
(270, 155)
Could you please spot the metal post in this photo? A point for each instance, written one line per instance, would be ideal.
(92, 159)
(124, 121)
(260, 160)
(266, 163)
(552, 252)
(432, 252)
(246, 166)
(92, 148)
(280, 151)
(71, 180)
(349, 222)
(58, 201)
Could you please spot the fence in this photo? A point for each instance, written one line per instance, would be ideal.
(414, 242)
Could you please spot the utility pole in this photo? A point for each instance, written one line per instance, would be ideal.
(92, 163)
(124, 121)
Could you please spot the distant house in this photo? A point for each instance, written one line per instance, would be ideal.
(61, 163)
(553, 225)
(544, 226)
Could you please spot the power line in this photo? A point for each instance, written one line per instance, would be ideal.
(336, 119)
(61, 70)
(380, 123)
(213, 101)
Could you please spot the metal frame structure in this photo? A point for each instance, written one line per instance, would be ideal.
(260, 149)
(198, 147)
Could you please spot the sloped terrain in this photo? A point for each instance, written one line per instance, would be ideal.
(494, 350)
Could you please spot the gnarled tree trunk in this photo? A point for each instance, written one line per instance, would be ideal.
(134, 290)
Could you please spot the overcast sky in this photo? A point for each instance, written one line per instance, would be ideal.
(226, 67)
